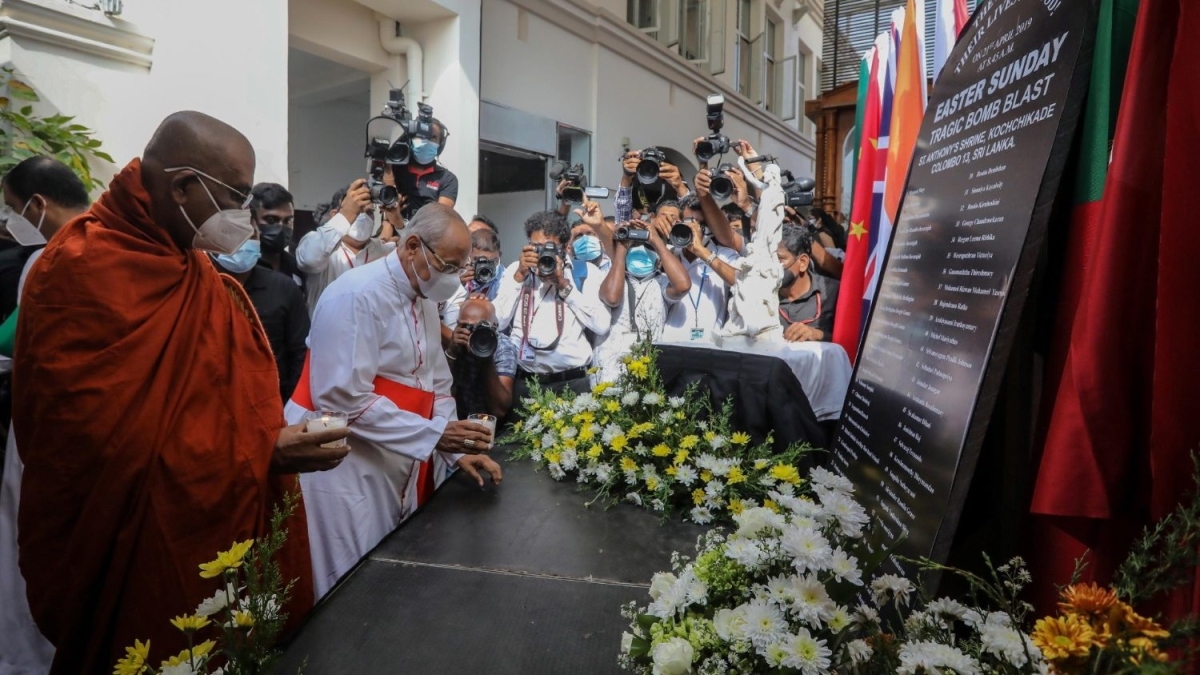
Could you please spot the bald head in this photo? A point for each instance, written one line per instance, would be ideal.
(436, 232)
(476, 310)
(215, 162)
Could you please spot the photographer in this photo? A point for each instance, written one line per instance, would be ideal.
(712, 214)
(482, 276)
(483, 362)
(423, 181)
(807, 301)
(274, 215)
(343, 243)
(550, 319)
(709, 266)
(644, 276)
(591, 241)
(633, 195)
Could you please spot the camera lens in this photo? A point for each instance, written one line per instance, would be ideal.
(705, 151)
(483, 341)
(573, 194)
(485, 271)
(721, 188)
(647, 171)
(384, 195)
(681, 235)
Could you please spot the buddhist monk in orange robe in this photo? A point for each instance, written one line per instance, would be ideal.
(147, 408)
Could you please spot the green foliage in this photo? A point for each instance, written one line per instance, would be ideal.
(1165, 556)
(25, 134)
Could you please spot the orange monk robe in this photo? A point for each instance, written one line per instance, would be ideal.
(146, 408)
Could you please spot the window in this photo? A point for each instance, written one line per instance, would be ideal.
(771, 100)
(742, 54)
(802, 84)
(693, 22)
(643, 14)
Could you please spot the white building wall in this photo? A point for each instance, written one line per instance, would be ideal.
(325, 149)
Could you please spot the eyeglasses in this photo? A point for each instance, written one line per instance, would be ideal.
(246, 199)
(443, 266)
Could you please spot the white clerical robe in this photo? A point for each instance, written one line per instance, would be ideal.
(370, 324)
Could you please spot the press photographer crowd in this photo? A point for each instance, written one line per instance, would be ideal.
(177, 355)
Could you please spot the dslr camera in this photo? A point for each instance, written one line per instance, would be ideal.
(721, 187)
(797, 193)
(576, 181)
(388, 146)
(648, 169)
(632, 234)
(548, 255)
(483, 340)
(681, 235)
(485, 270)
(715, 143)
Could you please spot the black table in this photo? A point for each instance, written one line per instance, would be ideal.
(517, 579)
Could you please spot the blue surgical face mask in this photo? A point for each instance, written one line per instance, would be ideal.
(425, 152)
(587, 248)
(242, 260)
(641, 262)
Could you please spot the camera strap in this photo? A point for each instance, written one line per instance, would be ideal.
(528, 313)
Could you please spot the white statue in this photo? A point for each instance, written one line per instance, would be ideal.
(754, 302)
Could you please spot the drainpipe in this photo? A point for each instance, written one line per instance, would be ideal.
(407, 47)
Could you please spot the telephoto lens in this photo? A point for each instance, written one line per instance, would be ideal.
(632, 234)
(485, 270)
(547, 262)
(681, 235)
(483, 340)
(385, 195)
(648, 169)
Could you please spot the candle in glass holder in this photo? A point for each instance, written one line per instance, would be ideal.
(488, 421)
(320, 420)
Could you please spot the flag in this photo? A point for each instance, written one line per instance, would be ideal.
(849, 317)
(864, 74)
(908, 104)
(880, 229)
(1121, 377)
(949, 22)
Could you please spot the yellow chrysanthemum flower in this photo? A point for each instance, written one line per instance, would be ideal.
(595, 451)
(739, 438)
(736, 475)
(601, 388)
(660, 450)
(688, 442)
(680, 416)
(785, 473)
(1087, 599)
(680, 458)
(243, 619)
(134, 662)
(187, 655)
(627, 464)
(190, 624)
(619, 443)
(698, 497)
(760, 464)
(672, 471)
(547, 416)
(1063, 637)
(552, 457)
(770, 504)
(226, 560)
(612, 406)
(639, 429)
(736, 506)
(652, 483)
(706, 476)
(709, 435)
(585, 434)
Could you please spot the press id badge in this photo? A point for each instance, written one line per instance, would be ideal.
(527, 352)
(697, 334)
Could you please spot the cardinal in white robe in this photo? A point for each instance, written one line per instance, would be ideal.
(375, 353)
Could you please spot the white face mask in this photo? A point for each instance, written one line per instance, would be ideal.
(441, 286)
(362, 227)
(22, 230)
(224, 231)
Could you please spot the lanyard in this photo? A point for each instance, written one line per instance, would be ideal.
(350, 261)
(805, 321)
(633, 303)
(695, 300)
(527, 317)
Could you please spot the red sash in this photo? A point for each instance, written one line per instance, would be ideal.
(411, 399)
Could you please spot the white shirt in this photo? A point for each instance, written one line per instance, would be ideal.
(23, 649)
(323, 257)
(581, 310)
(650, 310)
(706, 304)
(370, 323)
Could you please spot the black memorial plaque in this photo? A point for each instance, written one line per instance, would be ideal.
(984, 174)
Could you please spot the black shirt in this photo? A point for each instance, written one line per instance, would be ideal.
(13, 257)
(427, 183)
(288, 268)
(815, 308)
(284, 316)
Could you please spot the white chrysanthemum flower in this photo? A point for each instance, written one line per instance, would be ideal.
(652, 398)
(845, 567)
(701, 515)
(718, 442)
(649, 471)
(634, 498)
(630, 398)
(676, 401)
(714, 488)
(184, 668)
(891, 586)
(210, 606)
(603, 472)
(722, 467)
(859, 651)
(945, 608)
(665, 417)
(556, 471)
(661, 583)
(703, 424)
(807, 654)
(812, 604)
(786, 488)
(764, 625)
(809, 550)
(641, 450)
(672, 657)
(548, 441)
(610, 432)
(774, 653)
(866, 615)
(999, 638)
(695, 591)
(779, 591)
(824, 478)
(705, 461)
(744, 551)
(569, 433)
(841, 508)
(685, 475)
(767, 481)
(569, 459)
(595, 429)
(933, 657)
(612, 392)
(839, 620)
(658, 505)
(751, 521)
(536, 455)
(631, 478)
(582, 402)
(730, 624)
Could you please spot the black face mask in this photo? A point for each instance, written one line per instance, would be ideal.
(789, 278)
(274, 238)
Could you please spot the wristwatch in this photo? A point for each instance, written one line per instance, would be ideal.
(564, 292)
(709, 260)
